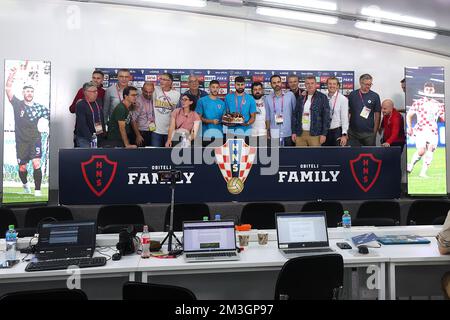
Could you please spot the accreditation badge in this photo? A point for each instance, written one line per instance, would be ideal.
(152, 126)
(305, 118)
(98, 128)
(279, 119)
(365, 112)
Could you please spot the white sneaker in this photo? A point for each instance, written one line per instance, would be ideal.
(26, 189)
(37, 193)
(409, 168)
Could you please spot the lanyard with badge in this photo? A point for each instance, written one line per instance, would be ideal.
(167, 98)
(305, 117)
(242, 103)
(97, 125)
(365, 112)
(152, 125)
(118, 93)
(334, 104)
(278, 117)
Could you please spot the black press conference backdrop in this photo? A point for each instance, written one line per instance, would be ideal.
(120, 176)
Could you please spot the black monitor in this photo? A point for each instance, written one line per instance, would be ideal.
(59, 240)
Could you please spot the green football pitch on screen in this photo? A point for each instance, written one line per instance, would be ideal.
(16, 195)
(436, 181)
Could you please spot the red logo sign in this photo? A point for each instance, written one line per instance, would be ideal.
(365, 170)
(99, 173)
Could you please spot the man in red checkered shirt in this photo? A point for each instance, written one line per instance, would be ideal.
(427, 111)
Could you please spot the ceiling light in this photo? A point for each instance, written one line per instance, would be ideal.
(377, 13)
(372, 26)
(295, 15)
(186, 3)
(315, 4)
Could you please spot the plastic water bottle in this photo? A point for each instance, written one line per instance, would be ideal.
(347, 224)
(94, 141)
(217, 216)
(145, 241)
(11, 241)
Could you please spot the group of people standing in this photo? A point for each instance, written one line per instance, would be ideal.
(159, 115)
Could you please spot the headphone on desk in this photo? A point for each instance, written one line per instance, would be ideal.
(127, 241)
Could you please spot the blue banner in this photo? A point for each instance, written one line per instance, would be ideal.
(232, 172)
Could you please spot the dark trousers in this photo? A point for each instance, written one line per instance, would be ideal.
(147, 135)
(332, 137)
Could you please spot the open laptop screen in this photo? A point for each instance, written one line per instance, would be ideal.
(298, 230)
(200, 236)
(67, 235)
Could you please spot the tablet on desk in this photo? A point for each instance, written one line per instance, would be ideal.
(402, 239)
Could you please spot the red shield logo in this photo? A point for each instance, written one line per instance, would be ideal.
(365, 170)
(99, 173)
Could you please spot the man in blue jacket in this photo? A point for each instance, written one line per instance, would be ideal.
(311, 119)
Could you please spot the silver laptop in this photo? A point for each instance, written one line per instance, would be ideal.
(209, 241)
(303, 233)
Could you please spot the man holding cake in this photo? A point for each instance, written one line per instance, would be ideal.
(240, 111)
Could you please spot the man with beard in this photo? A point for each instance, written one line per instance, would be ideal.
(27, 113)
(211, 110)
(279, 109)
(241, 103)
(259, 126)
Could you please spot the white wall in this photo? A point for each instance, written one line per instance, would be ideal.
(76, 37)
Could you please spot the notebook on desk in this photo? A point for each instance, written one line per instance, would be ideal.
(402, 239)
(303, 233)
(69, 239)
(205, 241)
(65, 244)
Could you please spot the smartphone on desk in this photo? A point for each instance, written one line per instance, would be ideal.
(343, 245)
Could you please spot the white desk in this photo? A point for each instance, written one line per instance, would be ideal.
(259, 265)
(411, 255)
(266, 260)
(127, 266)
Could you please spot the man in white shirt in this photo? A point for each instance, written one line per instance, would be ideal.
(165, 100)
(337, 134)
(259, 126)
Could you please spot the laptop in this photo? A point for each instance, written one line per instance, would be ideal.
(303, 233)
(209, 241)
(68, 239)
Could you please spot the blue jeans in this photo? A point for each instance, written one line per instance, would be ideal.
(83, 142)
(158, 140)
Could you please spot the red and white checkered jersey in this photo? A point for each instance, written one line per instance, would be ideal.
(428, 111)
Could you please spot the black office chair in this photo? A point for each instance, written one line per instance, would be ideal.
(37, 215)
(113, 218)
(47, 294)
(424, 212)
(377, 222)
(7, 218)
(439, 220)
(333, 209)
(380, 212)
(310, 278)
(151, 291)
(185, 212)
(261, 215)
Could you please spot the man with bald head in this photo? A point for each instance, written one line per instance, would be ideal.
(143, 116)
(392, 125)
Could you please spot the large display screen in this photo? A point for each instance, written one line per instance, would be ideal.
(26, 131)
(425, 126)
